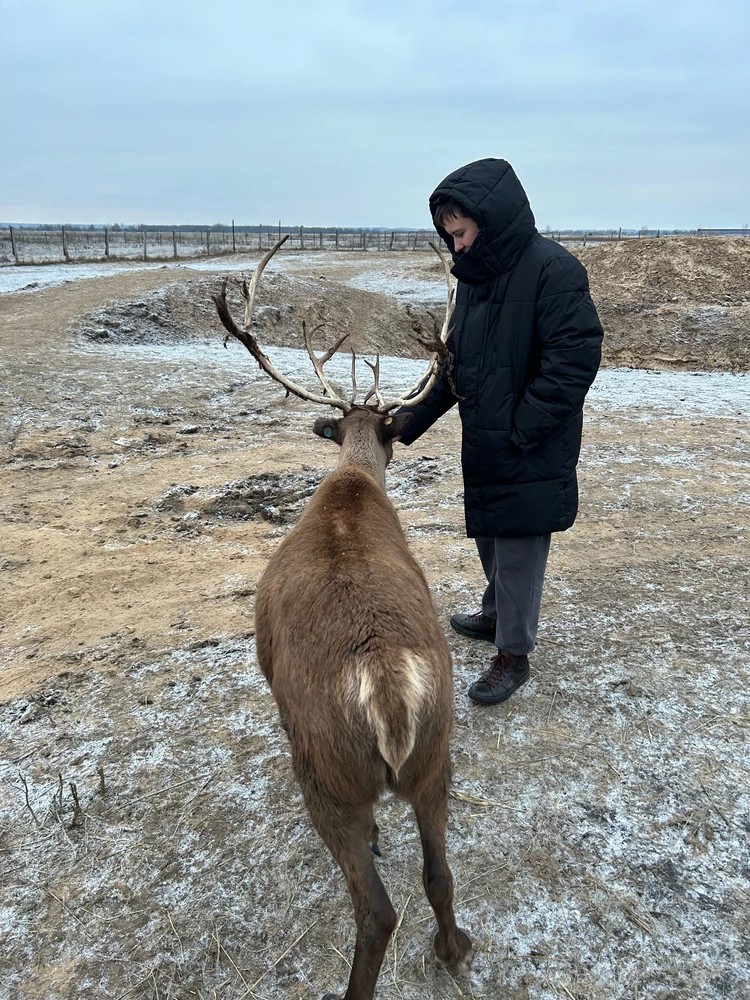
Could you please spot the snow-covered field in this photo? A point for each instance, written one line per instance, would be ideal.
(357, 268)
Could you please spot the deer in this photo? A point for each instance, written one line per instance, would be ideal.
(348, 639)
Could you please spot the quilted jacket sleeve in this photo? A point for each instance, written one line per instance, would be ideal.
(571, 338)
(437, 402)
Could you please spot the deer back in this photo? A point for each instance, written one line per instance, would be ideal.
(346, 623)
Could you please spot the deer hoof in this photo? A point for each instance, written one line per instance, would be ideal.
(331, 996)
(376, 851)
(459, 957)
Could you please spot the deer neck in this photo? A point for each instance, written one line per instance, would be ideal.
(364, 451)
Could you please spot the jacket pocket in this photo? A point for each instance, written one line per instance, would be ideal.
(495, 400)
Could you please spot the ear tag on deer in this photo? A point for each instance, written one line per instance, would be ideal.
(327, 432)
(388, 420)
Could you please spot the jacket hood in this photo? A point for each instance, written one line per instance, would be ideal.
(495, 198)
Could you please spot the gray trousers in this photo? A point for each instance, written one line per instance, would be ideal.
(514, 568)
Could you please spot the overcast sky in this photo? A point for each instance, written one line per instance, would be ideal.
(613, 113)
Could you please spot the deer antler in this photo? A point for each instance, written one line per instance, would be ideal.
(247, 338)
(318, 362)
(437, 344)
(413, 396)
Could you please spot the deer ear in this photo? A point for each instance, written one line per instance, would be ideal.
(326, 427)
(395, 426)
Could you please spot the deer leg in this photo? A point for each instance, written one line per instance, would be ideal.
(346, 834)
(375, 919)
(452, 945)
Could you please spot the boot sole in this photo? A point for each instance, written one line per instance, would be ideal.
(473, 635)
(497, 699)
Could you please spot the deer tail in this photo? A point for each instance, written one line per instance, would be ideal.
(392, 695)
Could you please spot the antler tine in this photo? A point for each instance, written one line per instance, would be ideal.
(318, 362)
(375, 368)
(250, 295)
(246, 337)
(332, 350)
(423, 384)
(353, 397)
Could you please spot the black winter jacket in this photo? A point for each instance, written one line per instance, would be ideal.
(526, 343)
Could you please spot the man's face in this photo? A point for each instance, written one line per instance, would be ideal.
(463, 230)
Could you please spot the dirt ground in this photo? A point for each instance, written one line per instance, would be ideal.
(153, 843)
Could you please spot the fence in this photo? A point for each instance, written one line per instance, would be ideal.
(584, 237)
(71, 244)
(25, 245)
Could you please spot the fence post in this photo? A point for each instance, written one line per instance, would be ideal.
(65, 245)
(392, 236)
(13, 244)
(234, 245)
(301, 238)
(260, 237)
(619, 235)
(106, 242)
(279, 228)
(321, 239)
(337, 239)
(208, 242)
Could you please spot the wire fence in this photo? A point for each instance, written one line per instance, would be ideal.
(25, 245)
(584, 237)
(77, 244)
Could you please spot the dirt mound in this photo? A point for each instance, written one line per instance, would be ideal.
(705, 269)
(693, 337)
(673, 302)
(185, 311)
(664, 303)
(277, 498)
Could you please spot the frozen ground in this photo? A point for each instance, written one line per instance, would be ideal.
(600, 826)
(642, 393)
(401, 285)
(389, 279)
(33, 278)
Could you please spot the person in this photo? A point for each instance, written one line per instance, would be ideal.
(525, 346)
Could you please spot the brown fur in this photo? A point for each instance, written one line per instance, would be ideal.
(349, 641)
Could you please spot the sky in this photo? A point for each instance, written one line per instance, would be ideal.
(350, 112)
